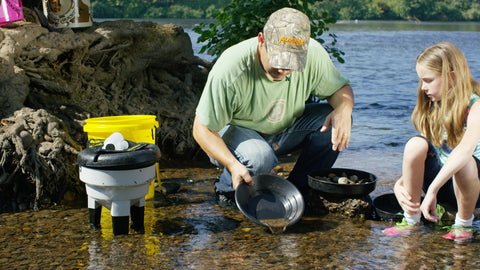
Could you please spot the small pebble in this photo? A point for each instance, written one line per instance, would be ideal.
(343, 180)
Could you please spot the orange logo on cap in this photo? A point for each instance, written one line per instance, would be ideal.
(291, 41)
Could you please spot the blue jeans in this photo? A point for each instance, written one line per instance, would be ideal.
(446, 194)
(257, 153)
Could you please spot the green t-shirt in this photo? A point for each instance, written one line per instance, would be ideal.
(238, 92)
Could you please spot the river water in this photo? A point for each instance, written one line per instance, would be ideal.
(187, 230)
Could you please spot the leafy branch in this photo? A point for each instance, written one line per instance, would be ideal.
(243, 19)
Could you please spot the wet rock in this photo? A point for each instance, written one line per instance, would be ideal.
(358, 207)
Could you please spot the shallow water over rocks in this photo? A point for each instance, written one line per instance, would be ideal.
(187, 230)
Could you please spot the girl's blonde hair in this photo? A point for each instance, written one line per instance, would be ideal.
(449, 114)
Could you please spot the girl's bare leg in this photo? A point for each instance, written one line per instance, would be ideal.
(413, 169)
(467, 188)
(408, 189)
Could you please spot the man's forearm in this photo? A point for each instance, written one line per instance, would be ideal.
(212, 144)
(342, 97)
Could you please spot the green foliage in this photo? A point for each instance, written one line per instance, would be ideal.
(243, 19)
(424, 10)
(155, 12)
(181, 9)
(106, 10)
(181, 12)
(473, 13)
(445, 10)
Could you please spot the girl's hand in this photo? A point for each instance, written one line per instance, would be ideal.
(429, 207)
(405, 200)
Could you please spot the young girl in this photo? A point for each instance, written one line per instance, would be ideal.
(447, 115)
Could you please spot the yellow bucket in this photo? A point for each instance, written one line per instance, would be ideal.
(135, 128)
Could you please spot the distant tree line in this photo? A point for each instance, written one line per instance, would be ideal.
(149, 9)
(424, 10)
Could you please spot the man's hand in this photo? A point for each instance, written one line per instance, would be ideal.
(341, 123)
(239, 173)
(215, 147)
(340, 118)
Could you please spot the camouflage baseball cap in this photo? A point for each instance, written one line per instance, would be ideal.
(287, 33)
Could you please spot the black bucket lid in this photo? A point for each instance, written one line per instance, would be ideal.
(137, 155)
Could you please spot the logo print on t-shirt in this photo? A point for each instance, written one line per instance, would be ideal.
(276, 110)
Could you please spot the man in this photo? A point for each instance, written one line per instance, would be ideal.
(253, 105)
